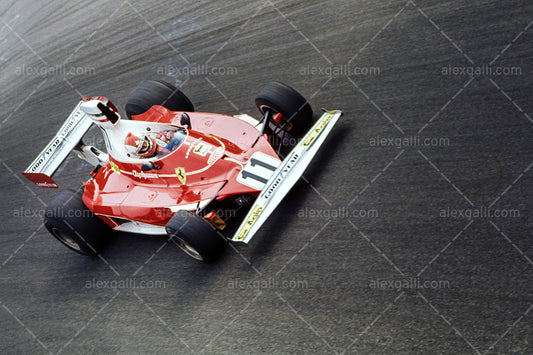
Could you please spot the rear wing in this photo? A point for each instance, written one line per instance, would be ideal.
(67, 138)
(285, 176)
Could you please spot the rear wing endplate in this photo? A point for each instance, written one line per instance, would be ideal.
(285, 176)
(69, 135)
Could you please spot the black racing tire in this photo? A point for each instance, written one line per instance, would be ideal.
(156, 92)
(281, 98)
(195, 236)
(74, 225)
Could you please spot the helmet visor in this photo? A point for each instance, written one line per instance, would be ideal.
(145, 146)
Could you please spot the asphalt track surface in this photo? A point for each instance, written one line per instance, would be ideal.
(386, 247)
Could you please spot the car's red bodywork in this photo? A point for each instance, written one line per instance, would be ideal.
(203, 167)
(201, 179)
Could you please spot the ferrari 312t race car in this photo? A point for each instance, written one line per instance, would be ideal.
(169, 170)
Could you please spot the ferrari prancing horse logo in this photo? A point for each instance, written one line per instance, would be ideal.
(182, 176)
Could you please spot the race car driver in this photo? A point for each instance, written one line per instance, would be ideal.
(144, 146)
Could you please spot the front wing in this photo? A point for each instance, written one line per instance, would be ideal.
(285, 176)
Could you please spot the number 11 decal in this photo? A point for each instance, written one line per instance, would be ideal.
(258, 170)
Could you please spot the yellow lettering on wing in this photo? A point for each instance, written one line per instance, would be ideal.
(317, 130)
(249, 223)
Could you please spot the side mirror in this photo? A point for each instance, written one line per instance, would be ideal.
(111, 116)
(185, 120)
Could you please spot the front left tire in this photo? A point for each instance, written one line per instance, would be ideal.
(74, 225)
(195, 236)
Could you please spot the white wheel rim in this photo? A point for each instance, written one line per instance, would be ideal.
(187, 248)
(67, 240)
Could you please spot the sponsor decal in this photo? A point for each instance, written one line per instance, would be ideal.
(56, 142)
(201, 149)
(316, 131)
(46, 184)
(65, 132)
(250, 222)
(143, 175)
(272, 187)
(290, 164)
(217, 154)
(191, 147)
(45, 156)
(182, 176)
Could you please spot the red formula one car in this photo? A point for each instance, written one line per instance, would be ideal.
(171, 171)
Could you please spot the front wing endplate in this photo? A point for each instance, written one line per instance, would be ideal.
(285, 176)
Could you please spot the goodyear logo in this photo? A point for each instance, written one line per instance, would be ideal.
(249, 222)
(272, 187)
(312, 136)
(49, 151)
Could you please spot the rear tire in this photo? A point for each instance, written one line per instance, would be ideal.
(73, 224)
(195, 236)
(280, 98)
(156, 92)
